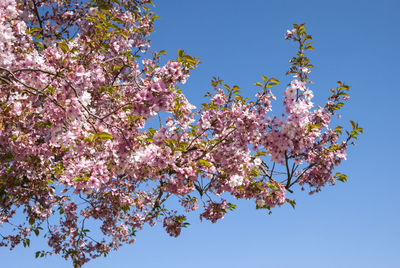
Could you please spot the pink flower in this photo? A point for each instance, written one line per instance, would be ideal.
(93, 11)
(260, 203)
(298, 84)
(290, 93)
(308, 94)
(257, 161)
(235, 180)
(289, 33)
(86, 98)
(219, 99)
(93, 183)
(17, 109)
(305, 70)
(158, 86)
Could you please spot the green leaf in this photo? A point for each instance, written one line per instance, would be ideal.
(260, 153)
(291, 202)
(341, 177)
(101, 16)
(91, 138)
(104, 136)
(117, 20)
(180, 53)
(255, 172)
(338, 129)
(258, 84)
(359, 129)
(334, 147)
(203, 163)
(36, 29)
(63, 46)
(171, 143)
(231, 206)
(124, 34)
(274, 80)
(151, 132)
(227, 87)
(182, 146)
(77, 179)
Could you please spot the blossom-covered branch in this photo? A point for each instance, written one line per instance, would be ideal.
(79, 85)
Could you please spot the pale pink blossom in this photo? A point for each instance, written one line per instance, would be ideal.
(290, 92)
(236, 180)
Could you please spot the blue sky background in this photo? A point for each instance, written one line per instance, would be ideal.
(353, 224)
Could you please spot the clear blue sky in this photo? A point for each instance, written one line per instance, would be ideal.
(354, 224)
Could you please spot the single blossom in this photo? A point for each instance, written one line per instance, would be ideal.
(289, 33)
(257, 161)
(290, 92)
(235, 180)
